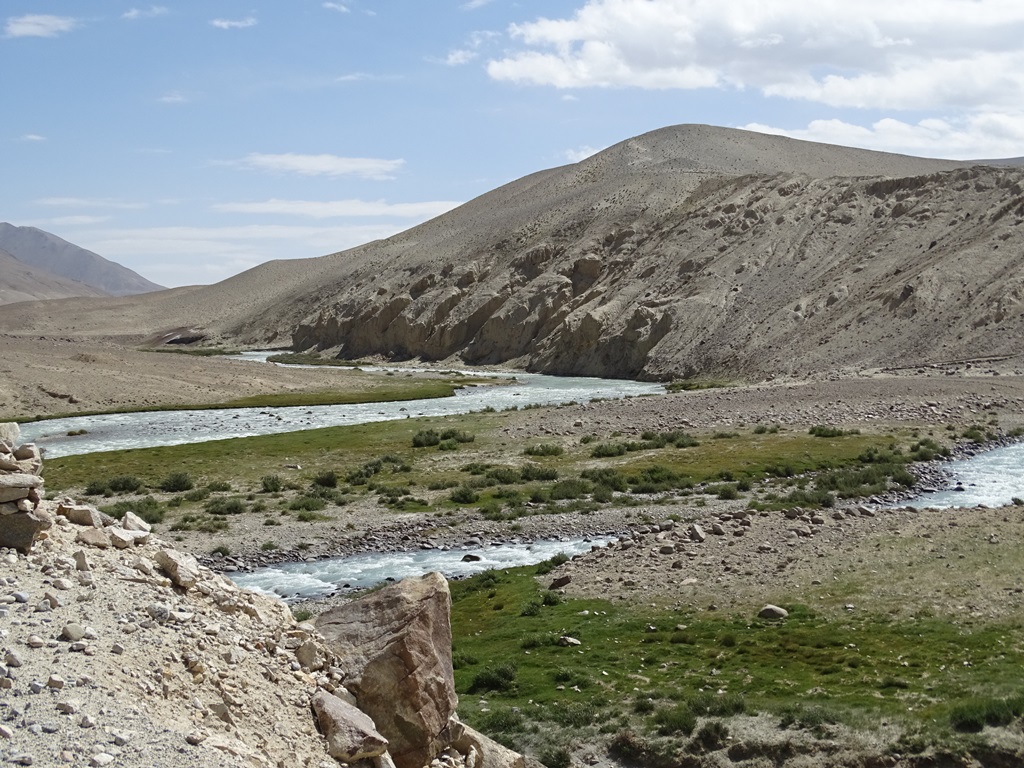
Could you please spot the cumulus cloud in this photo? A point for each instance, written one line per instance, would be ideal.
(869, 54)
(341, 208)
(145, 13)
(38, 25)
(322, 165)
(975, 137)
(580, 153)
(249, 21)
(339, 7)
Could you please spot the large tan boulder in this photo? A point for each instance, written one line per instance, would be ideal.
(395, 647)
(486, 752)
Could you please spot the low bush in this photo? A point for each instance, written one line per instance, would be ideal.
(500, 678)
(124, 484)
(326, 479)
(225, 506)
(544, 449)
(271, 484)
(177, 482)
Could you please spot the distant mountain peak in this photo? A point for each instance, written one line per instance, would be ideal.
(43, 250)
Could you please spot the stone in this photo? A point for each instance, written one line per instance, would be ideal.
(69, 706)
(351, 734)
(10, 432)
(81, 563)
(560, 581)
(772, 612)
(182, 569)
(72, 632)
(101, 759)
(94, 537)
(394, 647)
(566, 641)
(309, 656)
(487, 752)
(81, 514)
(123, 539)
(20, 530)
(132, 522)
(696, 533)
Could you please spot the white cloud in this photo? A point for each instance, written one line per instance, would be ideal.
(981, 136)
(580, 153)
(33, 137)
(342, 208)
(339, 7)
(71, 221)
(470, 51)
(472, 5)
(175, 256)
(173, 98)
(149, 13)
(90, 202)
(322, 165)
(249, 21)
(38, 25)
(870, 54)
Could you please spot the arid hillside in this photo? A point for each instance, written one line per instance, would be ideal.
(687, 251)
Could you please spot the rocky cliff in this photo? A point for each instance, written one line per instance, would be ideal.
(117, 649)
(696, 251)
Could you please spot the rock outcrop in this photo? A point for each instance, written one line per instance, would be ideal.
(117, 648)
(395, 647)
(21, 490)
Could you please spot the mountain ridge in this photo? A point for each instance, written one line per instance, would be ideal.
(46, 251)
(687, 251)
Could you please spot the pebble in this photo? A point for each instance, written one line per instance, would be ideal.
(87, 721)
(101, 759)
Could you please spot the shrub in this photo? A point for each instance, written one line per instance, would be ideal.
(711, 736)
(219, 486)
(97, 488)
(544, 449)
(307, 503)
(536, 473)
(198, 494)
(448, 444)
(425, 438)
(124, 484)
(458, 436)
(268, 546)
(574, 488)
(532, 608)
(326, 479)
(177, 483)
(506, 475)
(221, 549)
(271, 483)
(500, 678)
(222, 506)
(556, 757)
(464, 495)
(822, 430)
(678, 720)
(974, 714)
(608, 450)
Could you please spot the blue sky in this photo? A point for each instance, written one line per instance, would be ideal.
(193, 139)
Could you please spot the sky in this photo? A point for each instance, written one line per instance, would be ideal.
(193, 139)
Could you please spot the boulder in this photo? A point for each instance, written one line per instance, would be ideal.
(182, 569)
(350, 733)
(488, 753)
(123, 539)
(395, 647)
(81, 514)
(772, 612)
(10, 432)
(20, 530)
(560, 581)
(132, 522)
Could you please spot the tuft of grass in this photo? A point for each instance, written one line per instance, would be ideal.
(177, 482)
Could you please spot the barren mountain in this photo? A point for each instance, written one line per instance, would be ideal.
(690, 250)
(48, 252)
(20, 282)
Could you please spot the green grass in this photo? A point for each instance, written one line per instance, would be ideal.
(857, 669)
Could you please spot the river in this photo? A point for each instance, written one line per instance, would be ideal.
(119, 431)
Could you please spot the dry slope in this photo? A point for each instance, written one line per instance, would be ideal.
(690, 250)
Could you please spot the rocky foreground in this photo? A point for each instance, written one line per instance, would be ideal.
(116, 649)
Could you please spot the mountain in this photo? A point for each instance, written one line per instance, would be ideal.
(688, 251)
(20, 282)
(45, 251)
